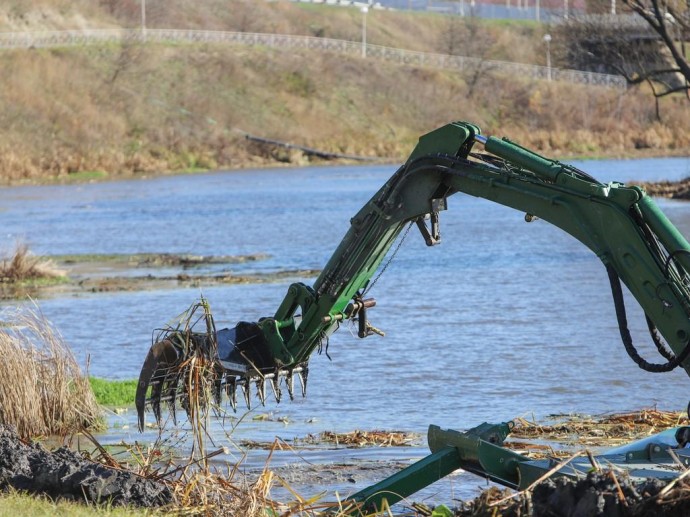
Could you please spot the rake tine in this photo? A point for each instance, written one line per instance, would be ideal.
(275, 385)
(156, 390)
(290, 382)
(261, 390)
(302, 376)
(231, 391)
(247, 395)
(161, 357)
(171, 396)
(218, 390)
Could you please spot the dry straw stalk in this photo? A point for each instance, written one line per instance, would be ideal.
(42, 388)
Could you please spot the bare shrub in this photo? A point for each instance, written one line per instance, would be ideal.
(42, 389)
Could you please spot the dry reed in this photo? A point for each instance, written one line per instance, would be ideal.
(198, 487)
(42, 389)
(603, 430)
(360, 438)
(23, 265)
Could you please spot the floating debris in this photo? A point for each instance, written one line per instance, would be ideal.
(602, 430)
(370, 438)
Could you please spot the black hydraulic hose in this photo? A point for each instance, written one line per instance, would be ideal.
(653, 331)
(619, 304)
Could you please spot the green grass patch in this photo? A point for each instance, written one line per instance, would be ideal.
(87, 175)
(15, 503)
(43, 282)
(113, 393)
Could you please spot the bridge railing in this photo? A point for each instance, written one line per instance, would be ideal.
(39, 39)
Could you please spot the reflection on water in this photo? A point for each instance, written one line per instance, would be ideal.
(503, 319)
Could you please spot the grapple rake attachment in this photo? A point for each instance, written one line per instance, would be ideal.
(192, 369)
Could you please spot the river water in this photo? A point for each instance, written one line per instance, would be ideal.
(503, 319)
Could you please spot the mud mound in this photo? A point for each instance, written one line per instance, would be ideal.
(671, 189)
(600, 494)
(65, 474)
(603, 495)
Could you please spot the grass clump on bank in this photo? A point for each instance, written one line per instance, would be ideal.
(113, 393)
(22, 266)
(16, 503)
(42, 389)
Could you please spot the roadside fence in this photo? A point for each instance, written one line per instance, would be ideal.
(42, 39)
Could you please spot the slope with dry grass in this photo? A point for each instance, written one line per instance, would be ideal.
(131, 109)
(159, 108)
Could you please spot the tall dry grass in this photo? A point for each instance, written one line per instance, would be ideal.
(42, 388)
(198, 487)
(23, 265)
(185, 107)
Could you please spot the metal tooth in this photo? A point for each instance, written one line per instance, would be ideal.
(231, 391)
(172, 397)
(156, 391)
(290, 382)
(217, 391)
(246, 390)
(275, 385)
(303, 380)
(261, 390)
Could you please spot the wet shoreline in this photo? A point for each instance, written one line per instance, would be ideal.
(149, 271)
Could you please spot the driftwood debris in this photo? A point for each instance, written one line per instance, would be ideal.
(308, 151)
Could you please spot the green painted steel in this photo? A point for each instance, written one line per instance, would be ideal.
(480, 451)
(669, 235)
(621, 225)
(402, 484)
(529, 160)
(615, 221)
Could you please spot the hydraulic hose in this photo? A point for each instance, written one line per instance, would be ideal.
(619, 304)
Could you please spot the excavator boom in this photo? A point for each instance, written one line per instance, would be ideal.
(619, 223)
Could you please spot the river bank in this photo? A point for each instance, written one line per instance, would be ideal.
(79, 274)
(493, 262)
(131, 110)
(274, 487)
(677, 189)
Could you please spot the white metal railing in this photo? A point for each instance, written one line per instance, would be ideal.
(38, 39)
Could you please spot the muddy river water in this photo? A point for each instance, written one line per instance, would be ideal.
(503, 319)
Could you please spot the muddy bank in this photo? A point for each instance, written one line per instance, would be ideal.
(670, 189)
(144, 271)
(64, 474)
(601, 494)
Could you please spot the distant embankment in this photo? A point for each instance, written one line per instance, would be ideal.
(39, 39)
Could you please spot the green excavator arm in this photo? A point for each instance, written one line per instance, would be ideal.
(620, 224)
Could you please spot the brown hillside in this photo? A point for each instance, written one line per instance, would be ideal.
(123, 109)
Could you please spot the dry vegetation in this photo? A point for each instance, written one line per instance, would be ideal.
(140, 109)
(22, 266)
(43, 390)
(359, 438)
(562, 435)
(605, 430)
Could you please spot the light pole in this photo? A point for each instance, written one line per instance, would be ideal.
(365, 10)
(547, 40)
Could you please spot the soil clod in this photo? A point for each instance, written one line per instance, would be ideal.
(64, 474)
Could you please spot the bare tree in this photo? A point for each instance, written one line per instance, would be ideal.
(466, 36)
(670, 19)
